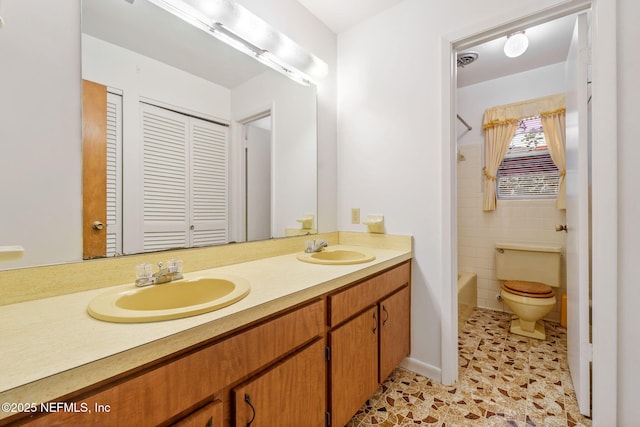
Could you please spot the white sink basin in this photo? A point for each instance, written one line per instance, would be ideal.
(336, 257)
(174, 300)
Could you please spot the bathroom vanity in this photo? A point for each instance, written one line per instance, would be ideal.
(307, 357)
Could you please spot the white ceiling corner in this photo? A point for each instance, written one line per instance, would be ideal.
(340, 15)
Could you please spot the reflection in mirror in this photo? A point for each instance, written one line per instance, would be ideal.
(179, 104)
(188, 177)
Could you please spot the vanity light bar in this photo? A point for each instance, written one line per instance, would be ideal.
(263, 56)
(244, 31)
(185, 12)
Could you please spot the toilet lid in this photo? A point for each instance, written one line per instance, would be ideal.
(528, 289)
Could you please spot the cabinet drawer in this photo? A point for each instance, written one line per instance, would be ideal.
(351, 301)
(162, 392)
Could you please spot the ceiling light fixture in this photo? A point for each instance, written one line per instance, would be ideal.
(516, 44)
(246, 32)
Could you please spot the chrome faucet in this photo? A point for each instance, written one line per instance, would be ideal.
(316, 245)
(173, 271)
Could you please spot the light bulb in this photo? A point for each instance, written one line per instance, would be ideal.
(516, 44)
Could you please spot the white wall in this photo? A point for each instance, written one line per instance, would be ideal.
(628, 212)
(522, 220)
(139, 76)
(294, 149)
(389, 137)
(40, 130)
(295, 21)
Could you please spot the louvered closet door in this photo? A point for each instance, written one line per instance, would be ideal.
(165, 179)
(208, 183)
(114, 174)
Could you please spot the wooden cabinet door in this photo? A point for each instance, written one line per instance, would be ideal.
(353, 365)
(395, 339)
(208, 416)
(291, 394)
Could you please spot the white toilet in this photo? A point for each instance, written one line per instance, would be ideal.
(528, 274)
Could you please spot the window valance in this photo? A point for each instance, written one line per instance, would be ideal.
(514, 112)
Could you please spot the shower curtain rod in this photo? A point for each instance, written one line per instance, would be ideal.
(463, 122)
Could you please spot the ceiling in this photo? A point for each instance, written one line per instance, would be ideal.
(340, 15)
(548, 42)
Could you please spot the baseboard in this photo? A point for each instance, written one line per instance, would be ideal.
(422, 368)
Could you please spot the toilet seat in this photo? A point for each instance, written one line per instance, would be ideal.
(528, 289)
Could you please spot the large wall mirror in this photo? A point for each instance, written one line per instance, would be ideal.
(205, 145)
(215, 147)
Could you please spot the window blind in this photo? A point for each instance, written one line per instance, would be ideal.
(527, 170)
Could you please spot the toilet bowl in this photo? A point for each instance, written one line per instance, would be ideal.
(528, 274)
(529, 305)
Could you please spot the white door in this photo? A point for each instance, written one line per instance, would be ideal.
(209, 183)
(165, 143)
(578, 211)
(184, 180)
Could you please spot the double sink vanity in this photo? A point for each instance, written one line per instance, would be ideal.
(288, 338)
(196, 293)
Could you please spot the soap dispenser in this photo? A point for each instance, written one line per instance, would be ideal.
(375, 223)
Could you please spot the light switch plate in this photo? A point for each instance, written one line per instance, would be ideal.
(355, 215)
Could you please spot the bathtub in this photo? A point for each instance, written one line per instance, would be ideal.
(467, 296)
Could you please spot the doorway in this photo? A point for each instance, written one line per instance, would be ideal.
(529, 181)
(603, 187)
(258, 172)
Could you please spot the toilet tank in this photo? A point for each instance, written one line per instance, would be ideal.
(531, 263)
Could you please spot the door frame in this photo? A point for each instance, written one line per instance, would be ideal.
(237, 178)
(604, 190)
(245, 129)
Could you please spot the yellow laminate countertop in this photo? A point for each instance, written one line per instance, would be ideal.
(51, 346)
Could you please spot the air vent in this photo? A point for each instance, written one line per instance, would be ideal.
(466, 58)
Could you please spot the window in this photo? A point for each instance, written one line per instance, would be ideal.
(527, 171)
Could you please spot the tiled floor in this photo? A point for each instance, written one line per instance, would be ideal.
(505, 380)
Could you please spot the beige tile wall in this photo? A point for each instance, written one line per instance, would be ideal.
(522, 221)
